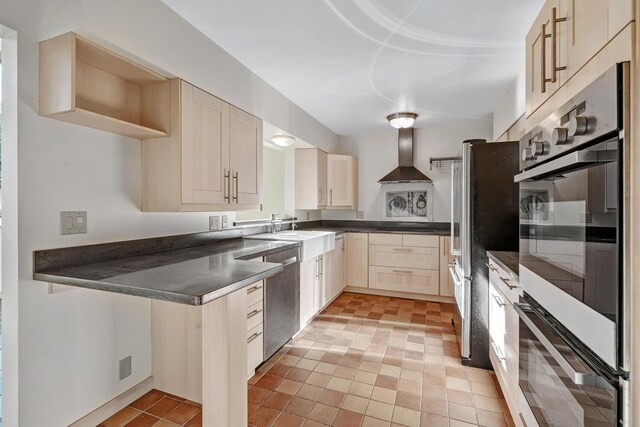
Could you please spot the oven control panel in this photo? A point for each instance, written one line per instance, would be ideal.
(593, 115)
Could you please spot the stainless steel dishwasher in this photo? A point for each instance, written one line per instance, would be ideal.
(281, 302)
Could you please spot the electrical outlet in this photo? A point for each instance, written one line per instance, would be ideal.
(225, 222)
(307, 215)
(73, 222)
(214, 223)
(359, 214)
(125, 368)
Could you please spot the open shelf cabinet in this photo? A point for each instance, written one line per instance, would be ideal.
(86, 84)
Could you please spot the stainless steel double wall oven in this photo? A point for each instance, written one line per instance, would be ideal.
(574, 346)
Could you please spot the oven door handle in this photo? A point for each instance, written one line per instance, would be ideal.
(586, 377)
(567, 163)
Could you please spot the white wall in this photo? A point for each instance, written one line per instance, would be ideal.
(511, 107)
(378, 154)
(61, 351)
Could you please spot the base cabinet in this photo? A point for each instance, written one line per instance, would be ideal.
(357, 260)
(200, 353)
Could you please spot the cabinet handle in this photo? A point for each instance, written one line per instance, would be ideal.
(498, 352)
(554, 46)
(507, 284)
(403, 249)
(319, 196)
(227, 185)
(543, 60)
(403, 271)
(492, 268)
(255, 288)
(253, 337)
(498, 301)
(254, 313)
(317, 267)
(235, 197)
(331, 197)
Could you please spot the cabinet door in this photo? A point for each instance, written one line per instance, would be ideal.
(328, 284)
(307, 283)
(585, 31)
(446, 281)
(321, 165)
(357, 260)
(339, 270)
(404, 280)
(539, 61)
(205, 146)
(245, 157)
(340, 181)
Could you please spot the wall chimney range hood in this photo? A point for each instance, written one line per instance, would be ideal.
(405, 172)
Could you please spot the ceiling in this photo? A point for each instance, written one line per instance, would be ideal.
(350, 63)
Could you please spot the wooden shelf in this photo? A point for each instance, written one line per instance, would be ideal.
(84, 83)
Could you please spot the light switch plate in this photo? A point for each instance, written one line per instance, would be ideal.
(214, 223)
(225, 222)
(73, 222)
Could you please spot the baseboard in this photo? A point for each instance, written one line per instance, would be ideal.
(395, 294)
(100, 414)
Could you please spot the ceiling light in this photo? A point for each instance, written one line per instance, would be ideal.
(283, 140)
(402, 120)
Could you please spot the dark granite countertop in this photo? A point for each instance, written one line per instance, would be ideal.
(508, 261)
(351, 226)
(191, 275)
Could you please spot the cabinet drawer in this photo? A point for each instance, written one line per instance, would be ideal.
(254, 315)
(255, 293)
(404, 280)
(420, 240)
(504, 282)
(405, 257)
(255, 350)
(385, 239)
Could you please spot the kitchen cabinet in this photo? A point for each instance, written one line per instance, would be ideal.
(311, 179)
(334, 272)
(504, 332)
(342, 182)
(357, 260)
(86, 84)
(404, 263)
(565, 36)
(446, 280)
(540, 78)
(201, 354)
(255, 330)
(211, 161)
(312, 287)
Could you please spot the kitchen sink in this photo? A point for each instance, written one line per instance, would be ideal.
(312, 243)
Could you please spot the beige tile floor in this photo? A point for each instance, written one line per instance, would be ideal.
(375, 361)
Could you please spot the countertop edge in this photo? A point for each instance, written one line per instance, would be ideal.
(495, 257)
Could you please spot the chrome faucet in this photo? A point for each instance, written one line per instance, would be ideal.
(275, 222)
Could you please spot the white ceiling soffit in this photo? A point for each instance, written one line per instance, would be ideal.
(351, 63)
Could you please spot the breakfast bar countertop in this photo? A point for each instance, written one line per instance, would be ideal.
(192, 275)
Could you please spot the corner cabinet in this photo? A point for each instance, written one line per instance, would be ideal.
(342, 181)
(211, 161)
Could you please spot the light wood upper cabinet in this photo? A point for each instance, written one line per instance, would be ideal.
(245, 157)
(86, 84)
(539, 74)
(205, 147)
(357, 260)
(446, 281)
(342, 181)
(311, 179)
(211, 161)
(576, 30)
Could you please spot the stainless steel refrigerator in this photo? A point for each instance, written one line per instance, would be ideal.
(484, 216)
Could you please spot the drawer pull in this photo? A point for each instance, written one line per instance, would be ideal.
(498, 352)
(253, 313)
(492, 268)
(498, 301)
(255, 288)
(508, 285)
(403, 271)
(403, 249)
(253, 337)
